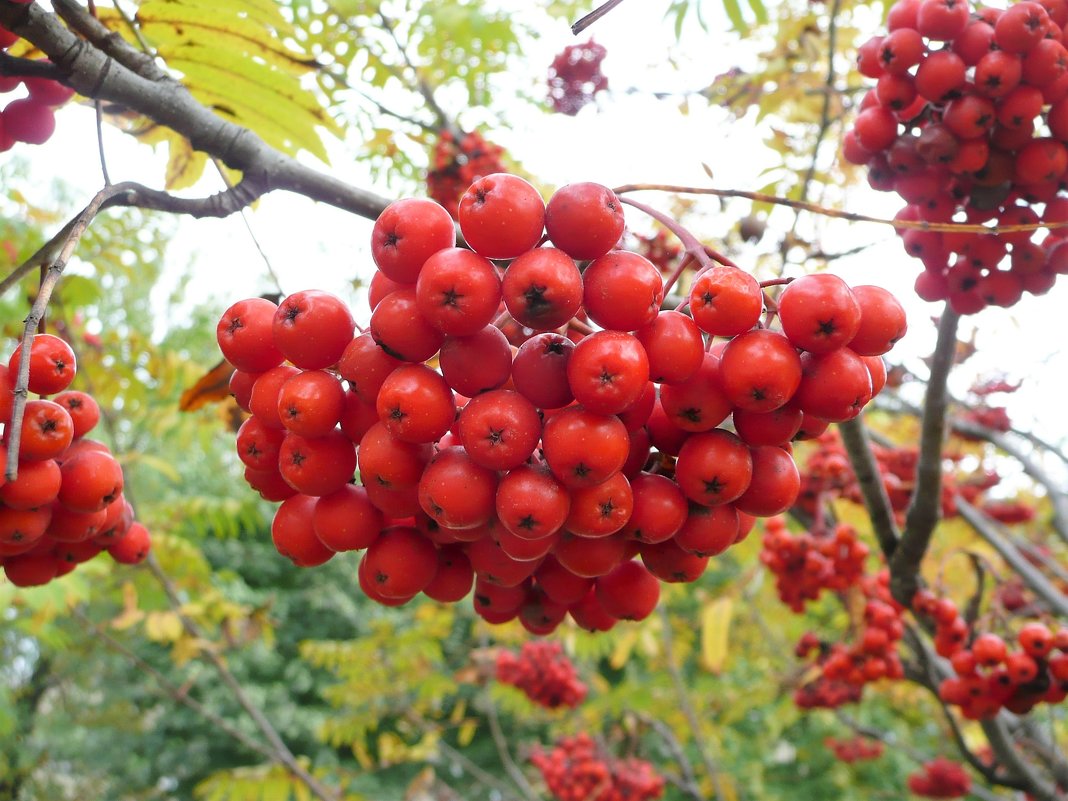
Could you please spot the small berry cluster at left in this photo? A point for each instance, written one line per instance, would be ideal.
(543, 673)
(29, 119)
(66, 506)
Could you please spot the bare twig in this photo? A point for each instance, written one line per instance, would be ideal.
(926, 504)
(176, 693)
(277, 745)
(40, 303)
(704, 255)
(1032, 576)
(858, 446)
(420, 83)
(685, 703)
(513, 770)
(687, 781)
(588, 20)
(479, 774)
(823, 211)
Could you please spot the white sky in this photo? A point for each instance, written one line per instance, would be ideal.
(629, 138)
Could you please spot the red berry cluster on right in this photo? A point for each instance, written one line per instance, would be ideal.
(66, 506)
(455, 165)
(575, 77)
(991, 674)
(940, 778)
(969, 120)
(577, 769)
(543, 673)
(855, 749)
(805, 564)
(30, 119)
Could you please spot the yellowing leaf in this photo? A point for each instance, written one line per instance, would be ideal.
(715, 633)
(466, 733)
(624, 645)
(184, 165)
(131, 614)
(163, 626)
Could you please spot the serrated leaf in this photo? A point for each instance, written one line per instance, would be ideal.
(715, 633)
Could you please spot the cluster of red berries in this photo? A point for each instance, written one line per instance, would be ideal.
(995, 418)
(545, 469)
(658, 248)
(828, 474)
(990, 674)
(29, 119)
(577, 769)
(846, 669)
(855, 749)
(805, 564)
(66, 506)
(455, 165)
(544, 674)
(940, 778)
(575, 77)
(969, 120)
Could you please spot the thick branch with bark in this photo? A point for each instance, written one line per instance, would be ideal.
(103, 67)
(926, 505)
(858, 447)
(1031, 576)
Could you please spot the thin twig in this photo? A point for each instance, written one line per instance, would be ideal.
(277, 745)
(479, 774)
(690, 243)
(687, 781)
(503, 752)
(685, 703)
(1031, 576)
(420, 84)
(175, 692)
(98, 107)
(40, 304)
(593, 16)
(926, 504)
(869, 478)
(815, 208)
(252, 234)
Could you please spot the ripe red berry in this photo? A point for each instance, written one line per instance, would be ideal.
(408, 233)
(501, 216)
(312, 329)
(585, 220)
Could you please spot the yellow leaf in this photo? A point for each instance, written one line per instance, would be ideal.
(185, 165)
(624, 646)
(163, 626)
(715, 633)
(131, 614)
(466, 733)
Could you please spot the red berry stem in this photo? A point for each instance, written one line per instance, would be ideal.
(704, 255)
(684, 263)
(775, 282)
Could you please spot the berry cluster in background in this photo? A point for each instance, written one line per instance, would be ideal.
(30, 119)
(855, 749)
(940, 778)
(543, 673)
(575, 77)
(66, 506)
(968, 123)
(455, 165)
(578, 769)
(539, 468)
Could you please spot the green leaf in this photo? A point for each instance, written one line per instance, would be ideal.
(760, 11)
(734, 14)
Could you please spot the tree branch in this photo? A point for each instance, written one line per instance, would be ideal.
(925, 508)
(685, 703)
(176, 693)
(501, 743)
(114, 71)
(1032, 576)
(593, 16)
(687, 781)
(40, 303)
(277, 745)
(858, 446)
